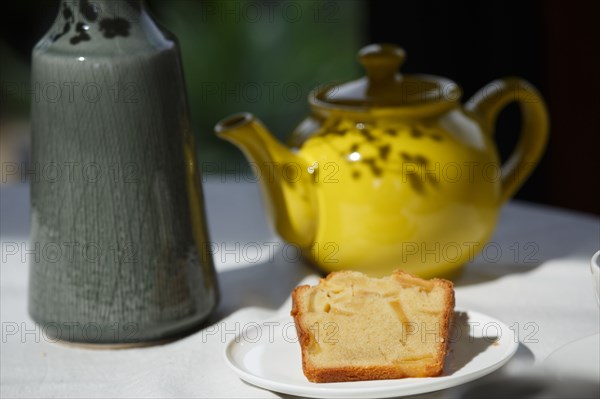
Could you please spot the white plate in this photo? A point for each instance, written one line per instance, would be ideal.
(268, 355)
(580, 359)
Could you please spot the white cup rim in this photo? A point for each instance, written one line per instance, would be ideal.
(595, 269)
(595, 261)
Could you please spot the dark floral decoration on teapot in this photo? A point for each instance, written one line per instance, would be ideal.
(110, 27)
(386, 160)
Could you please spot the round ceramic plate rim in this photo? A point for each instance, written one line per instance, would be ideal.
(555, 359)
(352, 389)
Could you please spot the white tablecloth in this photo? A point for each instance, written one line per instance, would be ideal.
(535, 271)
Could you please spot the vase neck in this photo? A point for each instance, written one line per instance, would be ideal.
(95, 10)
(80, 21)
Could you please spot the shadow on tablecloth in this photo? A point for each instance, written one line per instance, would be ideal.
(266, 285)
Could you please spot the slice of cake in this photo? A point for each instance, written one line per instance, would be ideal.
(352, 327)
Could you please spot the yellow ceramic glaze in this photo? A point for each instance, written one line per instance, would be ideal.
(387, 175)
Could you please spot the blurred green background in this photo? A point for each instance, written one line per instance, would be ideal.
(264, 56)
(238, 55)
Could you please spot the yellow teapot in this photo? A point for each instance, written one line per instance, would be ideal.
(390, 170)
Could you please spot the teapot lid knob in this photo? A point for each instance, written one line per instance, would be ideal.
(385, 87)
(381, 61)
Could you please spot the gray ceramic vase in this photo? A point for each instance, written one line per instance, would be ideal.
(118, 225)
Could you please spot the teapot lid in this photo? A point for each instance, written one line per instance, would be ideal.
(384, 86)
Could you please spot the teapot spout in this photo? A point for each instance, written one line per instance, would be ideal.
(284, 177)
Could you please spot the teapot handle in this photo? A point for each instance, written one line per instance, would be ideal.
(489, 101)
